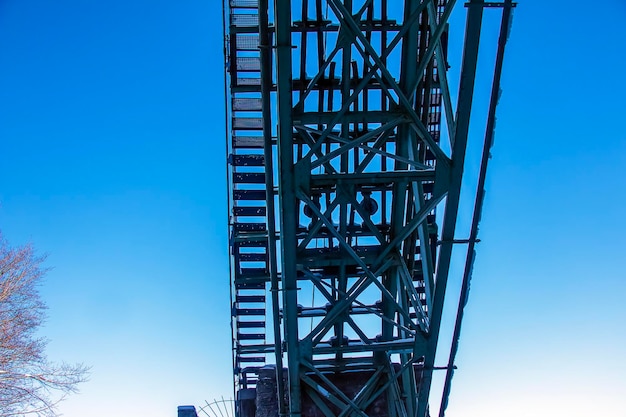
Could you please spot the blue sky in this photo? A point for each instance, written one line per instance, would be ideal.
(112, 161)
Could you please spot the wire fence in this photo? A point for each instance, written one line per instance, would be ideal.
(218, 408)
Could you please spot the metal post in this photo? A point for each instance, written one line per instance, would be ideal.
(288, 202)
(466, 94)
(266, 85)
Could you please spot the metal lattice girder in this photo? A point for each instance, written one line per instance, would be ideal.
(349, 98)
(361, 158)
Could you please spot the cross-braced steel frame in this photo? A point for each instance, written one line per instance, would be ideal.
(350, 100)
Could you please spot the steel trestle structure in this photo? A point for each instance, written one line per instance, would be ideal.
(346, 153)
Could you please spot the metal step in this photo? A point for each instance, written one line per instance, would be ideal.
(248, 123)
(249, 211)
(251, 370)
(247, 82)
(248, 236)
(252, 243)
(250, 284)
(249, 298)
(249, 64)
(249, 227)
(249, 195)
(247, 104)
(247, 160)
(250, 359)
(250, 336)
(250, 382)
(255, 142)
(260, 348)
(434, 118)
(252, 257)
(244, 20)
(251, 324)
(252, 273)
(244, 4)
(247, 42)
(249, 178)
(249, 311)
(435, 100)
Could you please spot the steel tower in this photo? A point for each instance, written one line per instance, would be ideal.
(346, 155)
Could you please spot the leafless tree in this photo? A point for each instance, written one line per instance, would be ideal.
(29, 383)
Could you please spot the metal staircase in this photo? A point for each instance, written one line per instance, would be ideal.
(248, 208)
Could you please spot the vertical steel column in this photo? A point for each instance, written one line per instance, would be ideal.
(287, 196)
(405, 139)
(266, 86)
(459, 146)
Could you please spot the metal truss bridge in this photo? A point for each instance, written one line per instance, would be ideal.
(346, 156)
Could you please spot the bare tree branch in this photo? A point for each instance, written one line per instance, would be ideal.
(29, 383)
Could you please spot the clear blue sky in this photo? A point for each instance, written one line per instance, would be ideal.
(112, 161)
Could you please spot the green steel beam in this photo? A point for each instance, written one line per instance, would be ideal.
(464, 106)
(406, 136)
(287, 198)
(266, 86)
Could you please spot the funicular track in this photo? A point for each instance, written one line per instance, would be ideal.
(346, 156)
